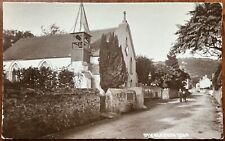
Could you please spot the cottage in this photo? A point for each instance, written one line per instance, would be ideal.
(205, 82)
(77, 51)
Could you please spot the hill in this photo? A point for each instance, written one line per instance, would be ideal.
(198, 67)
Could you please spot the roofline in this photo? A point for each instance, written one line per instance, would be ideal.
(131, 40)
(103, 29)
(35, 58)
(81, 32)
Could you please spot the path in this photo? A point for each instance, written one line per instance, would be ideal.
(196, 118)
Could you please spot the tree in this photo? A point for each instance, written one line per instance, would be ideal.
(29, 78)
(176, 76)
(113, 72)
(11, 36)
(51, 30)
(144, 67)
(161, 75)
(65, 78)
(202, 33)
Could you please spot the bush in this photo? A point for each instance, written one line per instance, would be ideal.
(66, 79)
(43, 79)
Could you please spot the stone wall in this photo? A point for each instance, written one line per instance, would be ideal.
(165, 93)
(139, 97)
(152, 91)
(33, 115)
(173, 93)
(119, 100)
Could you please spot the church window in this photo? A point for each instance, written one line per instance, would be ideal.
(77, 45)
(15, 68)
(126, 47)
(131, 65)
(44, 64)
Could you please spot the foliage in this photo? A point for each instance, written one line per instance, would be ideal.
(51, 30)
(29, 78)
(43, 78)
(217, 79)
(113, 72)
(161, 75)
(202, 33)
(66, 79)
(176, 77)
(144, 67)
(47, 78)
(11, 36)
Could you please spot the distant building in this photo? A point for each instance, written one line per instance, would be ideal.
(205, 82)
(77, 51)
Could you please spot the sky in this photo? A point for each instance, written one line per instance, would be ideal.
(152, 24)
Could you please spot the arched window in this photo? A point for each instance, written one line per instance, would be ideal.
(14, 70)
(44, 64)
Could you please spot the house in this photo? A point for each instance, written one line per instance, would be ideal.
(77, 51)
(205, 82)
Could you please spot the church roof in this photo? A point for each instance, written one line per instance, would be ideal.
(51, 46)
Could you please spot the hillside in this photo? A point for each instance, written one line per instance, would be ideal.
(198, 67)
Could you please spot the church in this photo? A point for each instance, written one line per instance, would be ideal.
(77, 51)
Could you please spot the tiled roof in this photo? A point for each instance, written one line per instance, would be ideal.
(50, 46)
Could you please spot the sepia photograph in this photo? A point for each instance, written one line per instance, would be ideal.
(112, 70)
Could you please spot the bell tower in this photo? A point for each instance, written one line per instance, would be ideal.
(80, 48)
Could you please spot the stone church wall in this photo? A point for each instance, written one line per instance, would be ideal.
(34, 115)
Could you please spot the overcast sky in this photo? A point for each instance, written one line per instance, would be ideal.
(152, 24)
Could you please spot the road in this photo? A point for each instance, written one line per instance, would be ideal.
(194, 119)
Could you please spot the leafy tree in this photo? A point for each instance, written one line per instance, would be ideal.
(51, 30)
(161, 75)
(177, 77)
(202, 33)
(65, 78)
(11, 36)
(144, 67)
(43, 78)
(113, 72)
(29, 78)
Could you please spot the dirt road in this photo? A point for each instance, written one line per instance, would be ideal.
(197, 118)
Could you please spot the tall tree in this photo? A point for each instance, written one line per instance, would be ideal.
(162, 75)
(202, 33)
(177, 76)
(11, 36)
(144, 67)
(113, 71)
(52, 30)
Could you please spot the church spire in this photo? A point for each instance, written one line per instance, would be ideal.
(124, 17)
(81, 23)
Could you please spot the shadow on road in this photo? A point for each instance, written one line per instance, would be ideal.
(151, 103)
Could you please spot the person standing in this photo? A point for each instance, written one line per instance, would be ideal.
(180, 95)
(184, 95)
